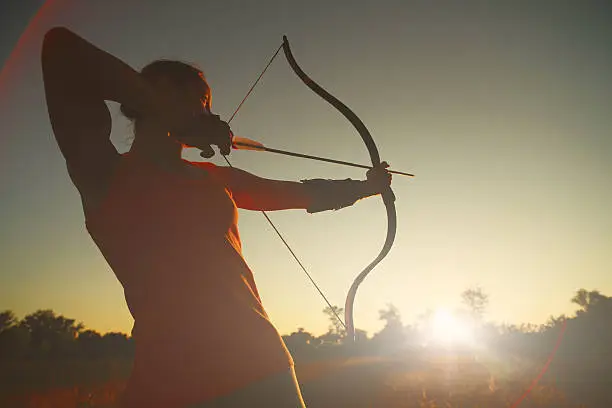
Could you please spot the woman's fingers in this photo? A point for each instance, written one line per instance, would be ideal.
(205, 131)
(379, 176)
(207, 152)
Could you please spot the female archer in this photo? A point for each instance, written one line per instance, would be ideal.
(168, 227)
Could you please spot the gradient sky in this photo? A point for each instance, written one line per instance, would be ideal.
(502, 109)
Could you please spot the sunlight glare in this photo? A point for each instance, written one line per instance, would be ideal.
(446, 328)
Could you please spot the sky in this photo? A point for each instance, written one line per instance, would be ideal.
(501, 109)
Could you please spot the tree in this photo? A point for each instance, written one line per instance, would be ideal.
(336, 330)
(51, 333)
(476, 301)
(300, 337)
(590, 300)
(555, 321)
(90, 343)
(393, 333)
(112, 344)
(117, 344)
(7, 320)
(14, 339)
(300, 341)
(391, 315)
(361, 336)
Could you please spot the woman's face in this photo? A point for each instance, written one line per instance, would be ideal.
(193, 95)
(197, 91)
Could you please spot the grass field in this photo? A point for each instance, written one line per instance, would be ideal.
(358, 382)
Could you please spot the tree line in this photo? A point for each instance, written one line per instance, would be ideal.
(46, 334)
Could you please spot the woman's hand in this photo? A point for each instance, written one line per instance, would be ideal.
(378, 178)
(204, 131)
(187, 118)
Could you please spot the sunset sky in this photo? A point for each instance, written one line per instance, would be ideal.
(501, 109)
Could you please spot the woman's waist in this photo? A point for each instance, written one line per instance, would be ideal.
(203, 321)
(185, 298)
(205, 354)
(190, 381)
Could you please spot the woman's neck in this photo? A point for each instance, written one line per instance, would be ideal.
(158, 148)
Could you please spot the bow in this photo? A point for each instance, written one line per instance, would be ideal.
(387, 196)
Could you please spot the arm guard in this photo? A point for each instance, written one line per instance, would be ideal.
(333, 194)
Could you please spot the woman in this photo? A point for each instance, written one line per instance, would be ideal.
(168, 227)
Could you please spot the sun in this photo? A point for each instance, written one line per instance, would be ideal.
(448, 329)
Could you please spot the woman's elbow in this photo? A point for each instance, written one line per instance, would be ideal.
(57, 45)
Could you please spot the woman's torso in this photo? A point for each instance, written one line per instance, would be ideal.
(199, 326)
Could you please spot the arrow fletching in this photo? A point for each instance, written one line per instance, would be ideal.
(242, 143)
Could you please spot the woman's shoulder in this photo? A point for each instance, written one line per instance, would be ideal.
(201, 169)
(203, 165)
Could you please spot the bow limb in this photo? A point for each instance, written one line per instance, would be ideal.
(387, 196)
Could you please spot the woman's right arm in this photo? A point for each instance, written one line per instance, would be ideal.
(78, 79)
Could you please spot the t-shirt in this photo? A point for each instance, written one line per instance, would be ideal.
(200, 329)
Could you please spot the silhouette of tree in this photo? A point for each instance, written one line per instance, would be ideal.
(336, 331)
(590, 300)
(586, 349)
(393, 333)
(90, 343)
(361, 336)
(391, 315)
(301, 342)
(329, 338)
(51, 333)
(7, 320)
(89, 336)
(14, 339)
(476, 301)
(117, 344)
(555, 321)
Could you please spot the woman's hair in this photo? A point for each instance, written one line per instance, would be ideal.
(177, 72)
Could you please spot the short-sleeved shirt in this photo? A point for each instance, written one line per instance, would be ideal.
(200, 329)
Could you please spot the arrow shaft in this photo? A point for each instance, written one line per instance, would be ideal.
(323, 159)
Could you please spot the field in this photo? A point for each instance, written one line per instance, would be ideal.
(398, 381)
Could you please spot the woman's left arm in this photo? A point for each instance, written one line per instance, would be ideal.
(251, 192)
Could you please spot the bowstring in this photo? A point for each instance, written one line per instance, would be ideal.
(333, 309)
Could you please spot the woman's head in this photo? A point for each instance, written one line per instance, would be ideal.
(175, 77)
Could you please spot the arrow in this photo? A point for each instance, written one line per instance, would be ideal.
(242, 143)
